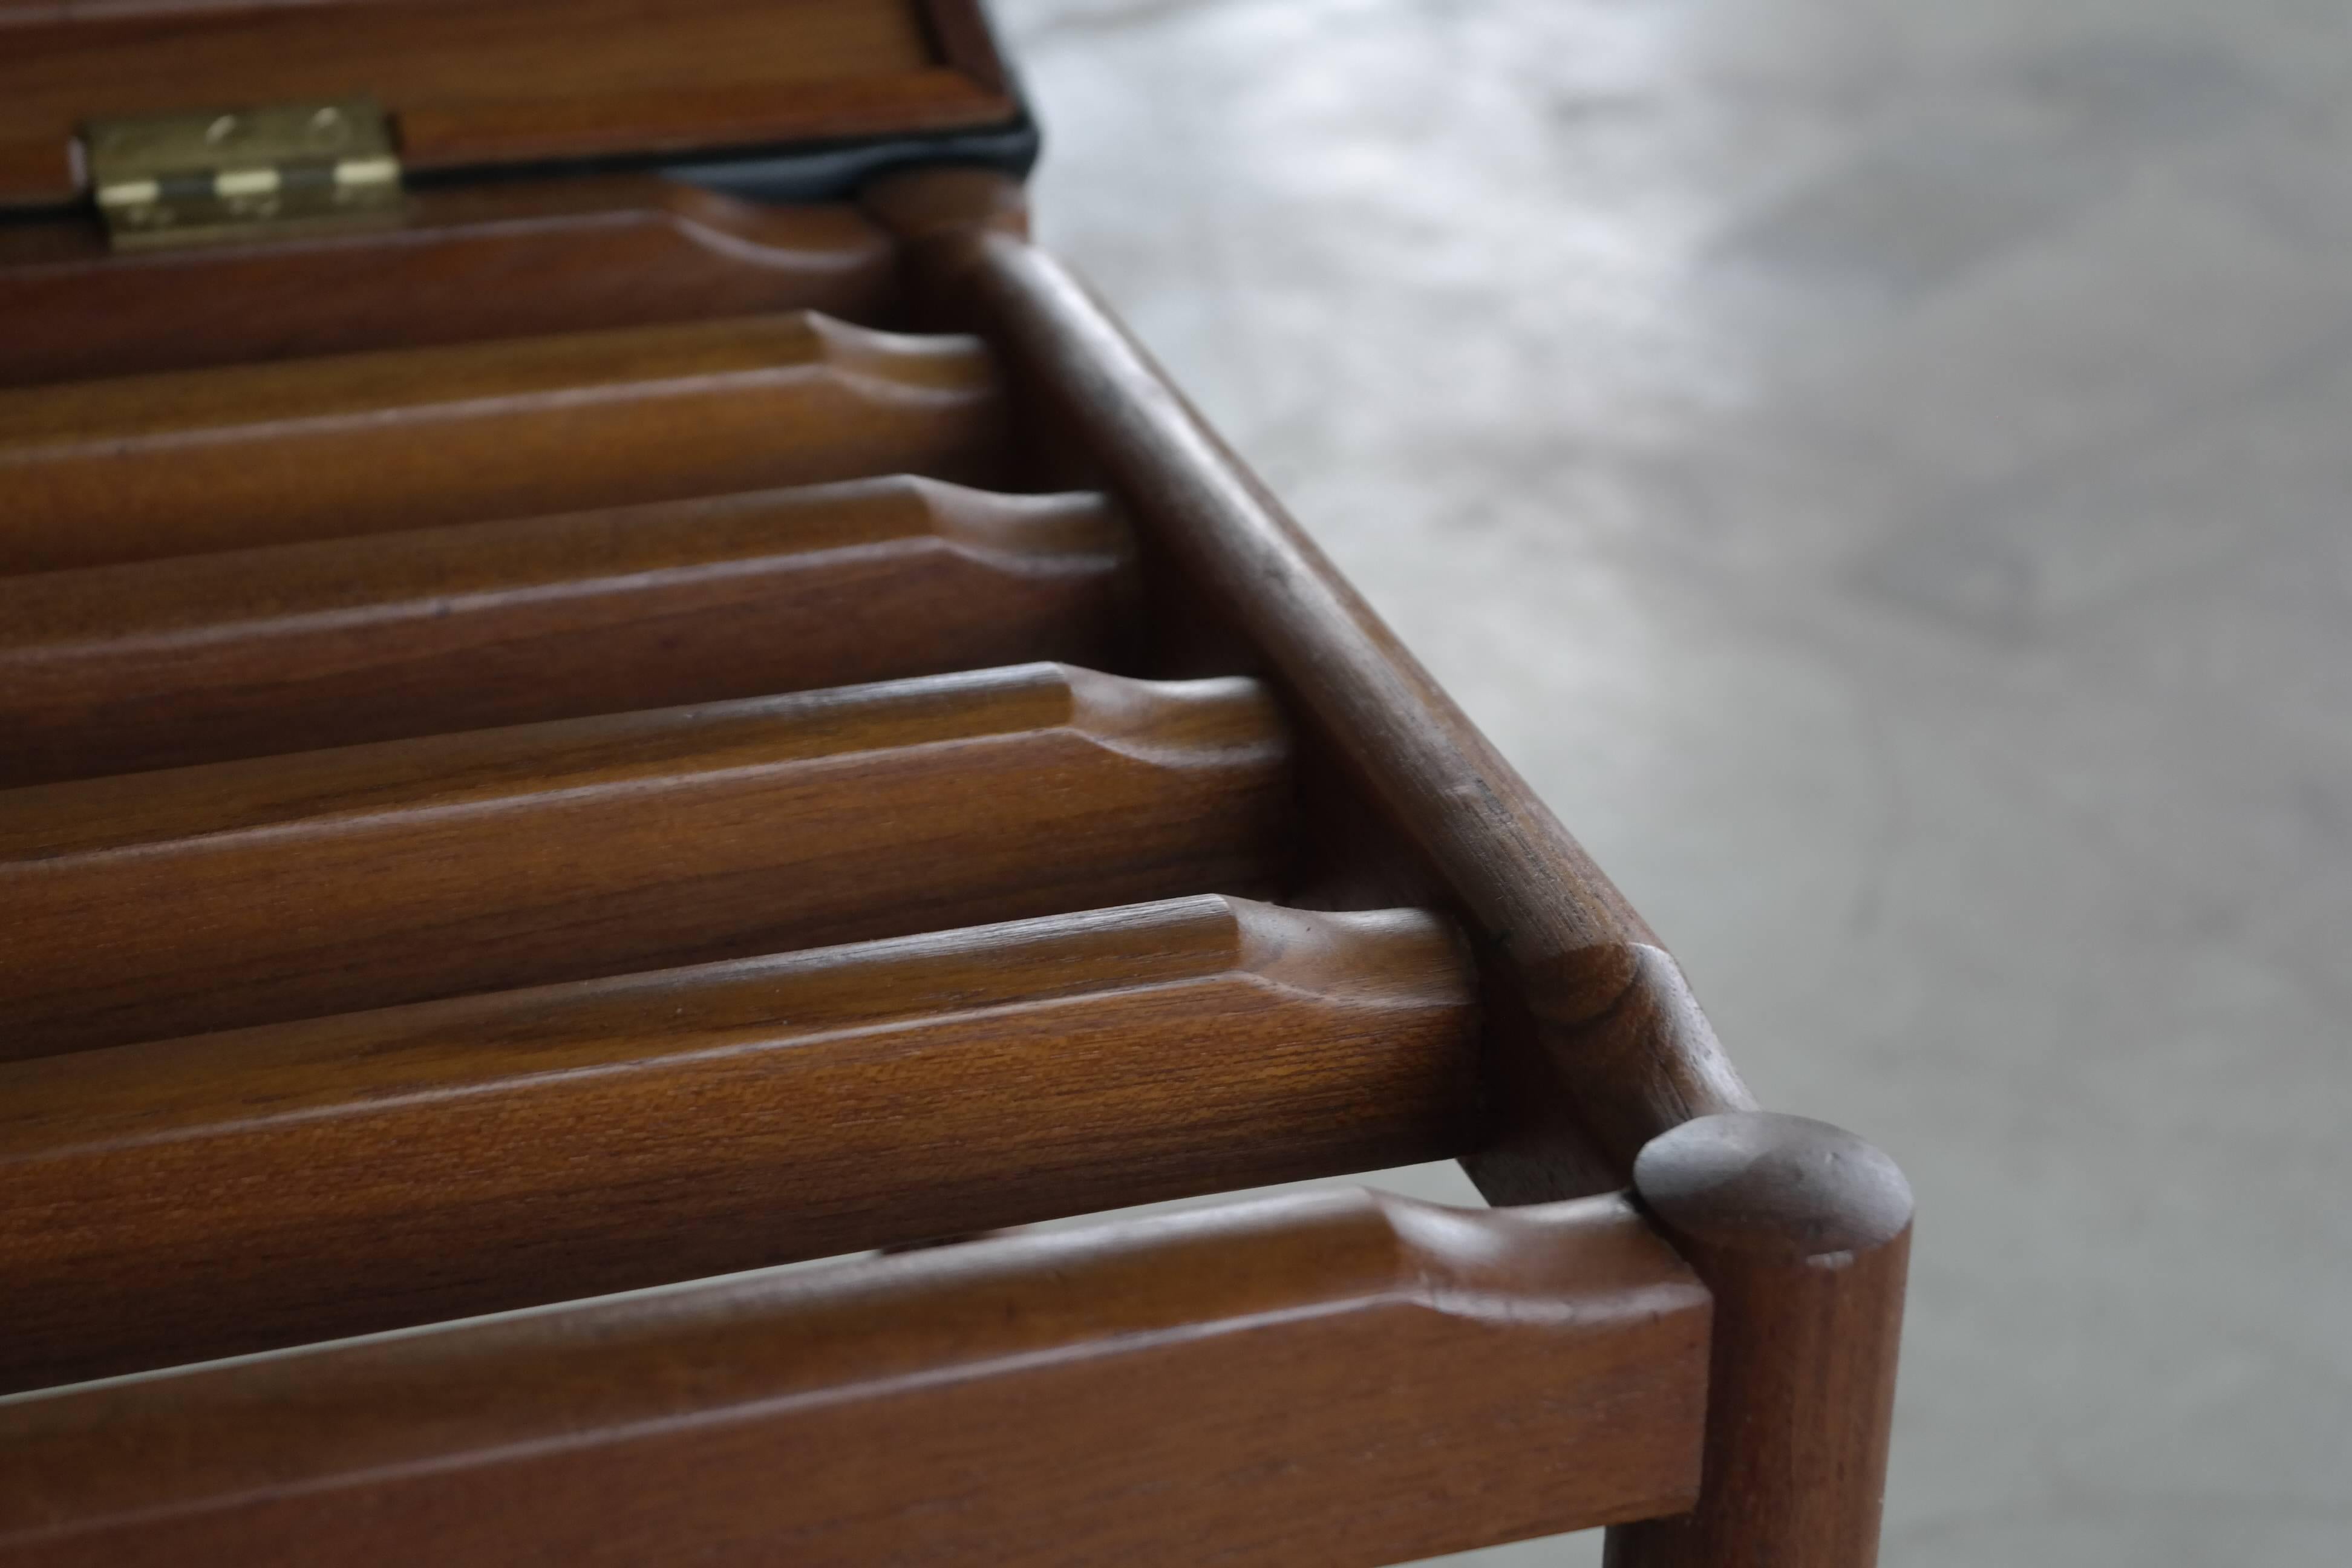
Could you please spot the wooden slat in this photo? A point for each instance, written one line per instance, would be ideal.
(151, 466)
(188, 1199)
(484, 81)
(291, 647)
(507, 260)
(149, 905)
(1330, 1378)
(1610, 1028)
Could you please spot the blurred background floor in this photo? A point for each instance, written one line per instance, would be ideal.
(1881, 469)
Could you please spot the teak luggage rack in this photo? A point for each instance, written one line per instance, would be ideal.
(516, 796)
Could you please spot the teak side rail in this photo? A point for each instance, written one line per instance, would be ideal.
(1614, 1016)
(183, 1200)
(1263, 1385)
(1599, 1046)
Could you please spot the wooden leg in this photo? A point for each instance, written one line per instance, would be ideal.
(1804, 1234)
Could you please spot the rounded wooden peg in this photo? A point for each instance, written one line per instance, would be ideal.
(1802, 1232)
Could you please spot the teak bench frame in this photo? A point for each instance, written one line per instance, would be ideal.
(1680, 1320)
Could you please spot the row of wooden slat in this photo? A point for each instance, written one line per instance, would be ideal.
(389, 1168)
(501, 822)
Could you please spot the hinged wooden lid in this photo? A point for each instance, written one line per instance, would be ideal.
(486, 82)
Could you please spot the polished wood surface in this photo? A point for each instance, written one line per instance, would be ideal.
(1802, 1233)
(490, 82)
(149, 905)
(291, 647)
(145, 467)
(1613, 1025)
(188, 1199)
(514, 259)
(1332, 1378)
(252, 556)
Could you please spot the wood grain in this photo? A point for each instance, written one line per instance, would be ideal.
(1622, 1052)
(143, 466)
(150, 905)
(188, 1199)
(1802, 1232)
(291, 647)
(1321, 1378)
(513, 259)
(487, 81)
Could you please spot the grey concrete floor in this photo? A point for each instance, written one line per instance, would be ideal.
(1880, 468)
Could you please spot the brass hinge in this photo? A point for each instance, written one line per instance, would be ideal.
(192, 179)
